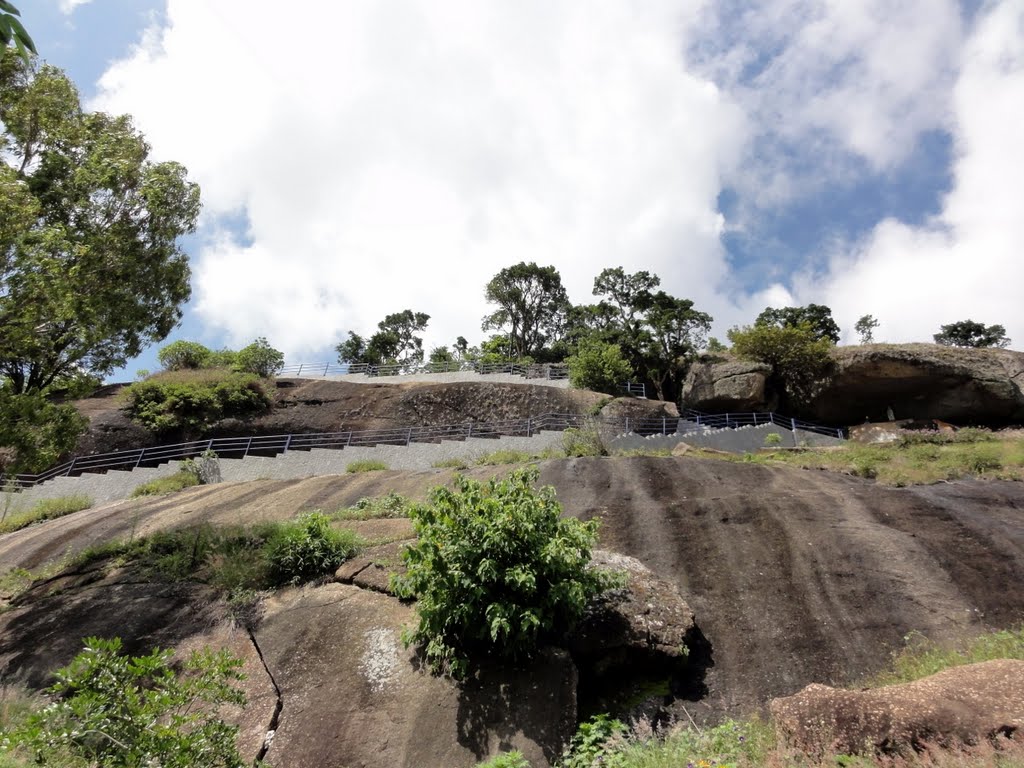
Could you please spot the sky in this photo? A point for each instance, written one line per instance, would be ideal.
(359, 158)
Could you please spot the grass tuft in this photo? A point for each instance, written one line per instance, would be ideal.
(162, 485)
(45, 509)
(503, 456)
(366, 465)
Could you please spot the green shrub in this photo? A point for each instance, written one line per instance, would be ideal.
(389, 506)
(184, 355)
(584, 441)
(595, 743)
(599, 367)
(453, 463)
(35, 431)
(800, 361)
(223, 358)
(44, 509)
(773, 438)
(180, 480)
(495, 570)
(259, 358)
(191, 401)
(307, 549)
(921, 657)
(366, 465)
(123, 712)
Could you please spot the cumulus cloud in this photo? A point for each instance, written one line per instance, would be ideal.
(67, 7)
(398, 155)
(966, 263)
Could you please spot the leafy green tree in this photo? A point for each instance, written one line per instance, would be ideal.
(396, 342)
(968, 333)
(799, 359)
(123, 711)
(352, 349)
(628, 296)
(865, 328)
(35, 431)
(531, 305)
(599, 366)
(12, 31)
(495, 570)
(90, 268)
(184, 355)
(259, 358)
(676, 331)
(817, 317)
(441, 355)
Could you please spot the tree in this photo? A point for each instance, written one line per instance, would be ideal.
(677, 331)
(259, 358)
(531, 304)
(628, 296)
(184, 355)
(90, 268)
(395, 343)
(968, 333)
(600, 367)
(799, 359)
(441, 355)
(11, 31)
(817, 317)
(35, 431)
(865, 328)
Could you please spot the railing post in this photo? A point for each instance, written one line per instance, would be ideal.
(328, 365)
(664, 425)
(71, 466)
(469, 430)
(792, 424)
(408, 438)
(300, 370)
(209, 446)
(755, 418)
(248, 445)
(698, 419)
(627, 425)
(348, 439)
(727, 421)
(287, 444)
(529, 427)
(138, 461)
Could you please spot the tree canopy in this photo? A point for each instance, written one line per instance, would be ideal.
(531, 305)
(968, 333)
(396, 342)
(816, 317)
(90, 268)
(13, 33)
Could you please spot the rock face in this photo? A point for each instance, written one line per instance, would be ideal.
(960, 705)
(731, 385)
(923, 381)
(917, 381)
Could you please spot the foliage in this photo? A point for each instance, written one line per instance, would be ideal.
(35, 431)
(365, 465)
(90, 268)
(798, 357)
(44, 509)
(191, 401)
(452, 463)
(182, 355)
(391, 505)
(116, 710)
(816, 317)
(599, 366)
(716, 347)
(921, 657)
(732, 744)
(595, 743)
(502, 456)
(677, 332)
(506, 760)
(259, 358)
(773, 438)
(441, 355)
(531, 305)
(307, 549)
(865, 328)
(159, 486)
(12, 31)
(495, 570)
(222, 358)
(396, 342)
(968, 333)
(584, 441)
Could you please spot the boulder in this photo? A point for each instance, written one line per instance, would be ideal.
(922, 381)
(352, 694)
(719, 386)
(637, 408)
(646, 615)
(960, 705)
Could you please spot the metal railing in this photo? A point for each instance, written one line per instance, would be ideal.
(635, 389)
(272, 445)
(552, 371)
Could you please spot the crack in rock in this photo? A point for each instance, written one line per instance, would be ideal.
(275, 718)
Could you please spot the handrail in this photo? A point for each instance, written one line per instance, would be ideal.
(240, 447)
(552, 371)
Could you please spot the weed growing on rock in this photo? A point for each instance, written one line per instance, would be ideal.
(391, 505)
(307, 549)
(922, 657)
(179, 481)
(504, 456)
(365, 465)
(584, 441)
(118, 711)
(506, 760)
(453, 463)
(45, 509)
(595, 743)
(495, 570)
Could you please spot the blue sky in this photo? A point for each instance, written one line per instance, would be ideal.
(363, 158)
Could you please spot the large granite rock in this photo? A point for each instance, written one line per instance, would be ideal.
(720, 386)
(961, 705)
(923, 381)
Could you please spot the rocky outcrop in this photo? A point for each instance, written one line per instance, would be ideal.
(923, 381)
(720, 386)
(961, 705)
(915, 381)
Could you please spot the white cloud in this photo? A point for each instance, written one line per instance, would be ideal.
(398, 155)
(67, 7)
(967, 262)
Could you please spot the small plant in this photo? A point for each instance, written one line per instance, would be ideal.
(584, 441)
(366, 465)
(506, 760)
(259, 358)
(205, 467)
(504, 456)
(388, 506)
(307, 549)
(44, 509)
(495, 570)
(772, 438)
(122, 712)
(453, 463)
(595, 743)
